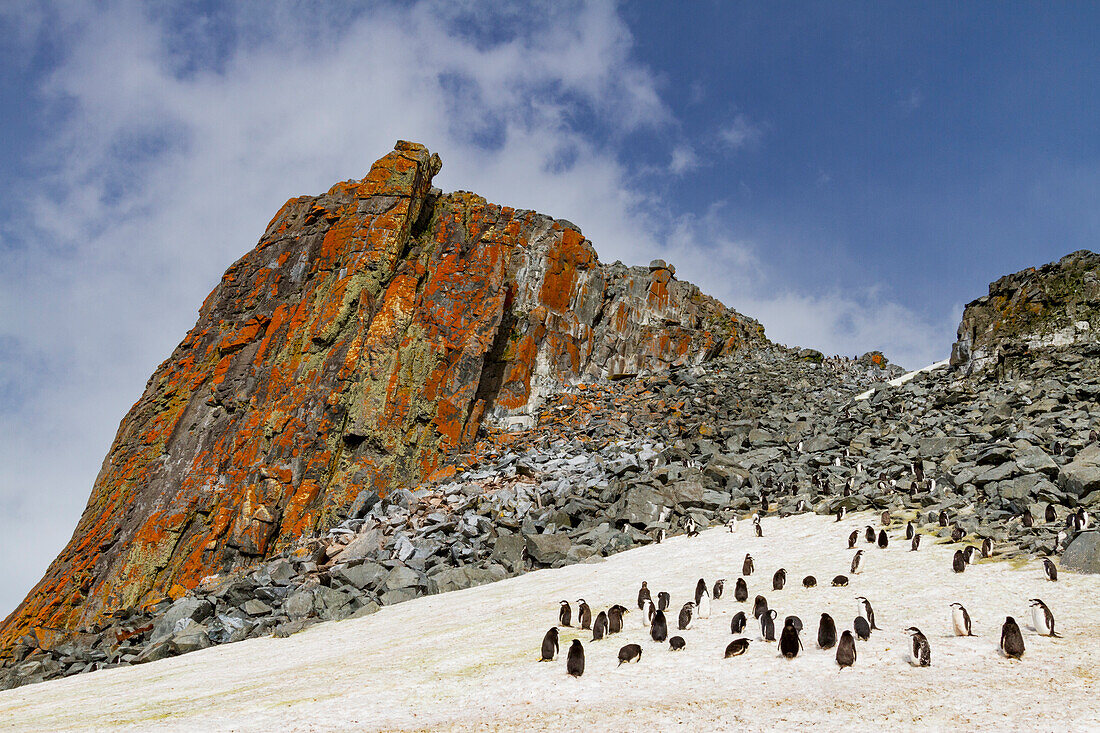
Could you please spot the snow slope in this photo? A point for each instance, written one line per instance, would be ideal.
(468, 660)
(898, 381)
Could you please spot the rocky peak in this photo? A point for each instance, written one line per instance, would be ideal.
(368, 336)
(1055, 305)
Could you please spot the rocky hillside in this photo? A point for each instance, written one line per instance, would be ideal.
(367, 338)
(1055, 305)
(401, 393)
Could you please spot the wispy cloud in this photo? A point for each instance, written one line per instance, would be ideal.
(683, 160)
(741, 132)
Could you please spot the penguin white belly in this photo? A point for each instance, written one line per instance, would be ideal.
(704, 606)
(959, 622)
(1039, 620)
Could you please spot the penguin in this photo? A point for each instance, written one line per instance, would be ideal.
(759, 606)
(943, 518)
(741, 591)
(599, 629)
(866, 611)
(658, 630)
(869, 534)
(863, 629)
(987, 547)
(826, 632)
(883, 540)
(1050, 568)
(647, 612)
(915, 544)
(731, 525)
(909, 531)
(747, 566)
(703, 605)
(615, 619)
(809, 582)
(794, 620)
(846, 650)
(643, 595)
(857, 563)
(719, 588)
(1085, 517)
(737, 623)
(584, 614)
(885, 518)
(840, 581)
(789, 643)
(737, 647)
(630, 653)
(700, 589)
(920, 653)
(1026, 519)
(840, 513)
(685, 617)
(676, 643)
(1042, 619)
(918, 469)
(957, 534)
(1051, 516)
(574, 665)
(663, 600)
(660, 536)
(690, 527)
(767, 625)
(853, 538)
(759, 530)
(779, 579)
(550, 645)
(958, 563)
(960, 620)
(565, 614)
(1060, 541)
(1012, 641)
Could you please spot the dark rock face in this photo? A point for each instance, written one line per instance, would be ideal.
(366, 338)
(1083, 554)
(1055, 305)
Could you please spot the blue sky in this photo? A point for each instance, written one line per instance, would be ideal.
(849, 173)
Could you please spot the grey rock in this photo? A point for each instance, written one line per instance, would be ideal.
(402, 577)
(1083, 554)
(547, 548)
(1082, 474)
(188, 608)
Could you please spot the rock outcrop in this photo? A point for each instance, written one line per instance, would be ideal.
(1055, 305)
(368, 336)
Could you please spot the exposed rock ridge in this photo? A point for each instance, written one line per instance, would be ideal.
(367, 337)
(1055, 305)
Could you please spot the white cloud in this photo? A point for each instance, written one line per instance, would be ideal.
(683, 160)
(740, 133)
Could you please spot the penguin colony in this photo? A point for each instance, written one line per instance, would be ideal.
(788, 636)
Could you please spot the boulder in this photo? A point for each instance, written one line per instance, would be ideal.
(467, 576)
(508, 550)
(1082, 474)
(188, 608)
(1083, 554)
(548, 548)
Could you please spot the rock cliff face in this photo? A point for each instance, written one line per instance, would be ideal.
(364, 340)
(1055, 305)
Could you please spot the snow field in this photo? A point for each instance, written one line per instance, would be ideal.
(468, 660)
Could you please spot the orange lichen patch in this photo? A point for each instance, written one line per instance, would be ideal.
(568, 255)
